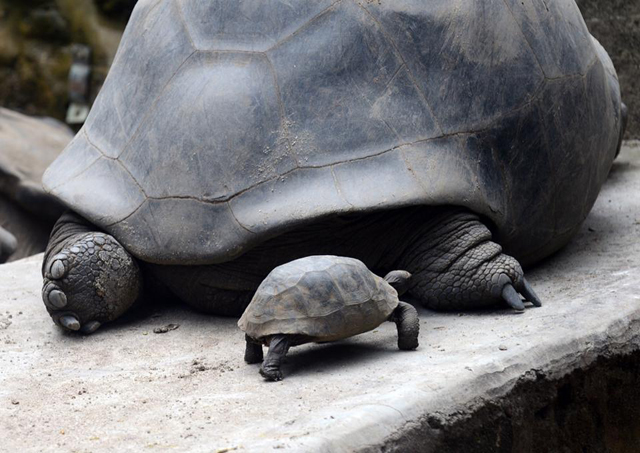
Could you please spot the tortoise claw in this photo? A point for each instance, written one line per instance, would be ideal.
(70, 322)
(529, 294)
(90, 327)
(271, 374)
(53, 297)
(57, 298)
(511, 297)
(57, 269)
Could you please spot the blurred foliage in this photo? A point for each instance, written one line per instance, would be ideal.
(35, 39)
(35, 48)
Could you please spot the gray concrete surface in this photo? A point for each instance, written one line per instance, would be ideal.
(127, 388)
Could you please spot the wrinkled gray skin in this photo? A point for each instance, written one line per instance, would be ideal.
(453, 139)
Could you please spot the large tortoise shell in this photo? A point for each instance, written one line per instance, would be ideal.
(223, 123)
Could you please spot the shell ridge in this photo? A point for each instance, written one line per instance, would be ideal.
(402, 59)
(183, 21)
(515, 20)
(303, 26)
(283, 117)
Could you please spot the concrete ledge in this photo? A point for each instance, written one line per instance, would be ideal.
(492, 376)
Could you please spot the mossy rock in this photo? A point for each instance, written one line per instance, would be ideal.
(35, 48)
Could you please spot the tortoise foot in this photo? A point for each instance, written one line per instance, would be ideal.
(271, 373)
(278, 348)
(474, 285)
(462, 268)
(92, 280)
(406, 318)
(253, 351)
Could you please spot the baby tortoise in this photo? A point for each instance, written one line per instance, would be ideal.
(321, 299)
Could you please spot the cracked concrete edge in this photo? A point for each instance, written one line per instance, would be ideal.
(428, 425)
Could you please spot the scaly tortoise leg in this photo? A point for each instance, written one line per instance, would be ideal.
(253, 350)
(456, 266)
(89, 278)
(406, 318)
(278, 348)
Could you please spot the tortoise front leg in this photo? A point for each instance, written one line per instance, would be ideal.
(89, 278)
(253, 351)
(278, 348)
(406, 318)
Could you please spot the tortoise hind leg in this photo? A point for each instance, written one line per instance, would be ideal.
(406, 318)
(278, 348)
(89, 278)
(253, 350)
(456, 266)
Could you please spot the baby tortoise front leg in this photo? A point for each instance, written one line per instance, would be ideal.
(89, 278)
(278, 348)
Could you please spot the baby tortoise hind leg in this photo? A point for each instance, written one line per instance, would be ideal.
(253, 351)
(278, 348)
(89, 278)
(457, 266)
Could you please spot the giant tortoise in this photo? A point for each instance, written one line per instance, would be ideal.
(454, 139)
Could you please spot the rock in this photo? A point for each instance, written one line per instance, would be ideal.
(28, 146)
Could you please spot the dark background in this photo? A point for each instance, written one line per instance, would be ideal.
(616, 24)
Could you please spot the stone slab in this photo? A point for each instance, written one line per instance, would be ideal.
(127, 388)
